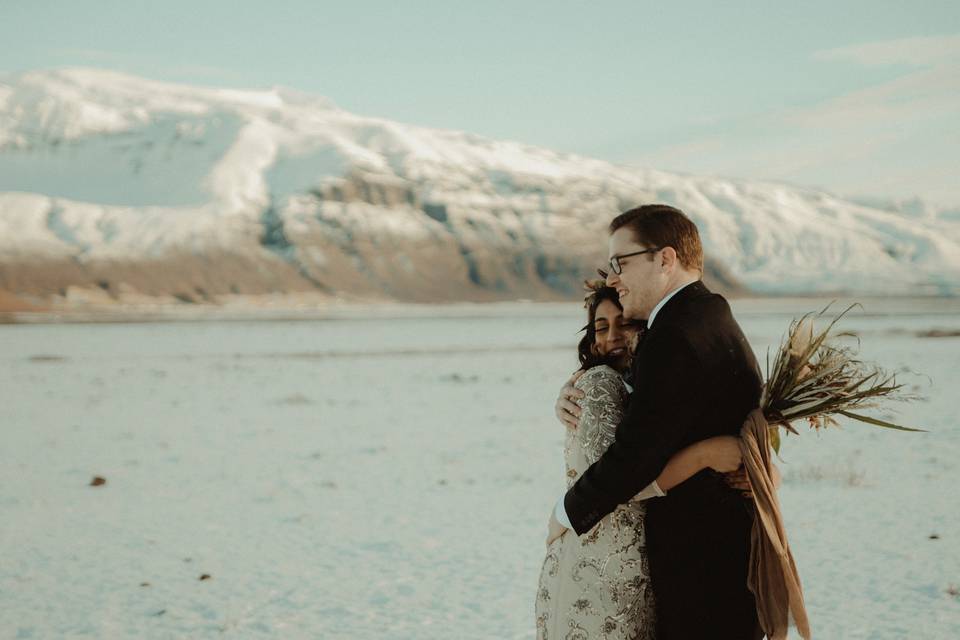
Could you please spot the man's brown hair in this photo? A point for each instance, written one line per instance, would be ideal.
(660, 225)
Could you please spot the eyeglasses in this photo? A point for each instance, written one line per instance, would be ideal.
(615, 260)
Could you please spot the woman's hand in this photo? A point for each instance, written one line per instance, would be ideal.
(567, 409)
(740, 481)
(722, 453)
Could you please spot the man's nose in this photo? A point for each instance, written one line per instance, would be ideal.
(612, 279)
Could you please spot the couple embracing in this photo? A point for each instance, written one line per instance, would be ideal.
(652, 538)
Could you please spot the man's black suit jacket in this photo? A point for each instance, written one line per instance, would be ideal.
(694, 377)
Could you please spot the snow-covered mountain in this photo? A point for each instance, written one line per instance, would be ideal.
(140, 187)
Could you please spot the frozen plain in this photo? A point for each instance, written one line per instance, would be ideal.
(387, 472)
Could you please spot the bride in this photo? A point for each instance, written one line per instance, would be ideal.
(598, 585)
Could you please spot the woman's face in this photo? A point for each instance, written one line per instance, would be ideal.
(613, 333)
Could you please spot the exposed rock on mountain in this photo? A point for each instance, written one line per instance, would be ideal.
(115, 188)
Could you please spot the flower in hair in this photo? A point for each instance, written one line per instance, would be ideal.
(592, 287)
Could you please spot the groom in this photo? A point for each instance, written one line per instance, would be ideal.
(694, 377)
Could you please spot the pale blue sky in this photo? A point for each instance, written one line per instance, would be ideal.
(858, 97)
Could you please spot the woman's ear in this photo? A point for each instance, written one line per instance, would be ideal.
(593, 349)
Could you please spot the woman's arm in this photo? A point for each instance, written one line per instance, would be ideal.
(721, 453)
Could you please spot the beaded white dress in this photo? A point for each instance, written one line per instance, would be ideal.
(597, 585)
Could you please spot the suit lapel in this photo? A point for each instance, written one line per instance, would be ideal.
(664, 317)
(678, 302)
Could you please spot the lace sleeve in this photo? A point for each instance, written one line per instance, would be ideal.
(602, 410)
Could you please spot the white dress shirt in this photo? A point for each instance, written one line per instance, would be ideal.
(652, 490)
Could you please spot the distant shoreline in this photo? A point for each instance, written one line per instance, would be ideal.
(296, 309)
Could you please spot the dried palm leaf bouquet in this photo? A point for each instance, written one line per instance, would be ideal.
(815, 377)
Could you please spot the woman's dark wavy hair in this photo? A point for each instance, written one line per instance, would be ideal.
(600, 292)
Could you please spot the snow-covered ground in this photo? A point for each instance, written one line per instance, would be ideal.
(388, 472)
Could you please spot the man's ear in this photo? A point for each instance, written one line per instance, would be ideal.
(668, 258)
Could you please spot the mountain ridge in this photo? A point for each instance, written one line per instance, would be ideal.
(160, 189)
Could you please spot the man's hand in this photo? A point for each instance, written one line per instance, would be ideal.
(554, 529)
(567, 409)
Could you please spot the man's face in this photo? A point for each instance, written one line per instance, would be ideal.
(642, 281)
